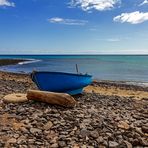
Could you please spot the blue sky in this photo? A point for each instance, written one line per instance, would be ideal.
(73, 26)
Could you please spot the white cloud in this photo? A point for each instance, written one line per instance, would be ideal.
(144, 3)
(99, 5)
(6, 3)
(59, 20)
(133, 17)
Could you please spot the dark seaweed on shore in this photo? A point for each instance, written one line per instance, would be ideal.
(4, 62)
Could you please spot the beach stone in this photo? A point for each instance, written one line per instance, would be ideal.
(105, 143)
(94, 134)
(143, 142)
(71, 142)
(37, 114)
(48, 125)
(21, 140)
(35, 130)
(113, 144)
(145, 129)
(83, 146)
(12, 140)
(55, 145)
(56, 115)
(109, 134)
(23, 129)
(86, 121)
(80, 115)
(23, 146)
(139, 131)
(16, 136)
(20, 110)
(76, 146)
(123, 125)
(38, 143)
(90, 146)
(128, 144)
(135, 142)
(31, 140)
(84, 133)
(137, 117)
(82, 125)
(62, 137)
(62, 144)
(100, 139)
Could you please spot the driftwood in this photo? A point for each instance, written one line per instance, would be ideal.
(62, 99)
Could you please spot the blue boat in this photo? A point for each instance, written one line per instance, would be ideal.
(61, 82)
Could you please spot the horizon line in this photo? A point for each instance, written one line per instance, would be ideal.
(73, 54)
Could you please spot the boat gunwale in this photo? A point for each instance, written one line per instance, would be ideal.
(63, 73)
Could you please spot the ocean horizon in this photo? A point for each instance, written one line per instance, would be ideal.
(102, 67)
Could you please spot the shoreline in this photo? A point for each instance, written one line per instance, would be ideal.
(131, 89)
(102, 87)
(105, 82)
(128, 84)
(9, 61)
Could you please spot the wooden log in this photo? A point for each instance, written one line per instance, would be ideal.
(62, 99)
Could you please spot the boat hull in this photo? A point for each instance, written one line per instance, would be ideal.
(61, 82)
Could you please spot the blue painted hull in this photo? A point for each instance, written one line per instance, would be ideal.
(61, 82)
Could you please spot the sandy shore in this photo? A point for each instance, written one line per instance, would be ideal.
(118, 89)
(107, 115)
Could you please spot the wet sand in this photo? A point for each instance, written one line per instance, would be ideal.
(108, 114)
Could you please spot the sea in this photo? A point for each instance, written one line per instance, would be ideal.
(130, 68)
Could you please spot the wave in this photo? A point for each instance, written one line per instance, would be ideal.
(29, 61)
(143, 84)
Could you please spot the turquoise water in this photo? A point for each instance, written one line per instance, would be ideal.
(102, 67)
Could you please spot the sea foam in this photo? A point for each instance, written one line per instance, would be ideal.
(29, 61)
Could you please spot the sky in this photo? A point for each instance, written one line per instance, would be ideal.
(73, 26)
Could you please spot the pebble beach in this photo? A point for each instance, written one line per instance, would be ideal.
(107, 114)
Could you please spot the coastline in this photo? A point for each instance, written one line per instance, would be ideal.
(103, 87)
(7, 62)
